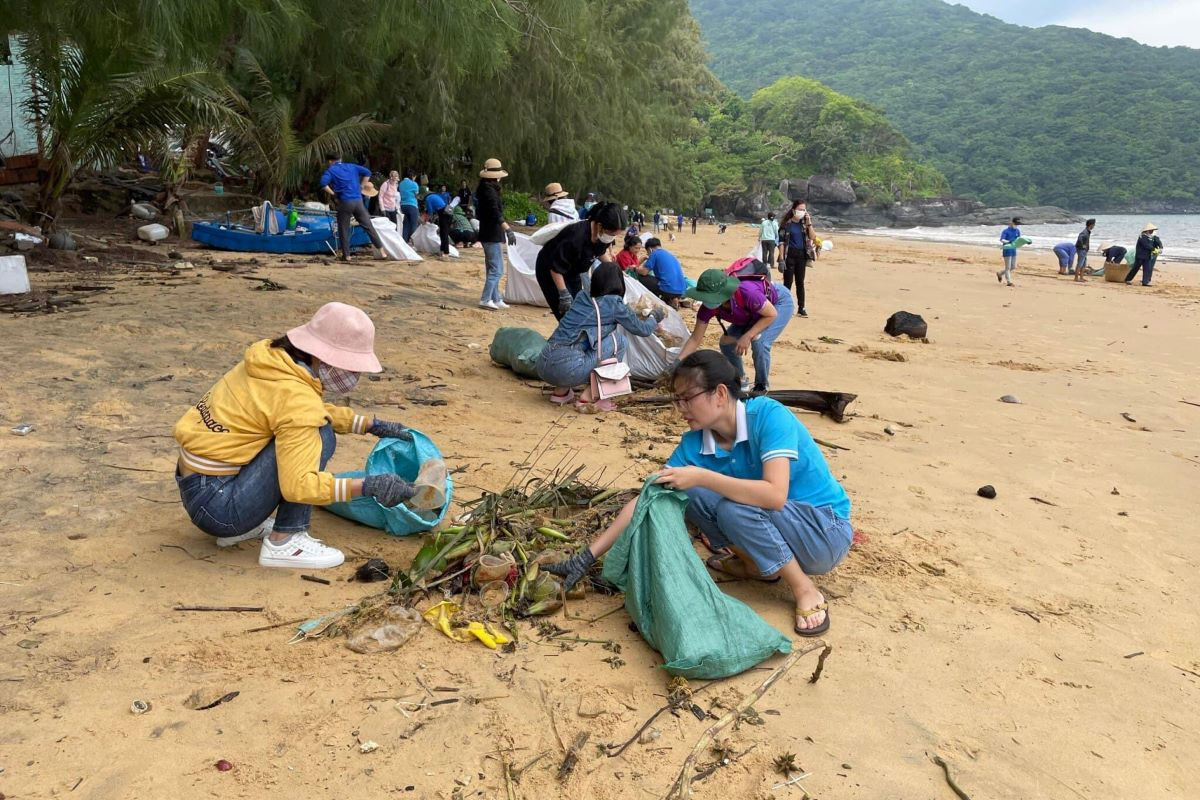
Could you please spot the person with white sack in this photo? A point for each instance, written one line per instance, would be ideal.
(565, 259)
(561, 208)
(589, 335)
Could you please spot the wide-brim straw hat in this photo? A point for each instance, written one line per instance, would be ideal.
(340, 335)
(492, 168)
(713, 288)
(553, 191)
(1149, 226)
(368, 189)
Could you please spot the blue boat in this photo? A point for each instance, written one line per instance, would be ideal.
(314, 233)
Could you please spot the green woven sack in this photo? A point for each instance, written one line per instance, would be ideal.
(518, 349)
(700, 631)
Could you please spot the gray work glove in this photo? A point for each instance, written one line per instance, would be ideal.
(659, 313)
(573, 569)
(389, 430)
(564, 301)
(390, 490)
(512, 238)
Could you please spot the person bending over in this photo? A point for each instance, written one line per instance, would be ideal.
(565, 259)
(661, 264)
(259, 440)
(757, 311)
(756, 483)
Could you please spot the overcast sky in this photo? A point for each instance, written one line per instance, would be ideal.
(1156, 22)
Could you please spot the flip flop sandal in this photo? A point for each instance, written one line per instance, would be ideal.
(808, 612)
(563, 399)
(717, 564)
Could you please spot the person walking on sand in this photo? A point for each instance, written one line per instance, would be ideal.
(1009, 254)
(1145, 254)
(493, 232)
(757, 485)
(796, 236)
(1065, 252)
(259, 440)
(343, 181)
(768, 235)
(1083, 243)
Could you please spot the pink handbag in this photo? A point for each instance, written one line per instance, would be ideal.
(610, 378)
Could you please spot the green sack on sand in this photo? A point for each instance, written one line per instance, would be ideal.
(518, 349)
(700, 631)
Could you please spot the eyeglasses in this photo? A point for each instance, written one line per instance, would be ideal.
(682, 403)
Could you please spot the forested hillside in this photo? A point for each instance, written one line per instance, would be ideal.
(1009, 114)
(794, 128)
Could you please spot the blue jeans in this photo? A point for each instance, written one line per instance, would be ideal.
(229, 505)
(412, 220)
(568, 365)
(493, 261)
(816, 537)
(760, 348)
(1080, 261)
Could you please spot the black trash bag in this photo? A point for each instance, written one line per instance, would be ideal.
(903, 322)
(375, 569)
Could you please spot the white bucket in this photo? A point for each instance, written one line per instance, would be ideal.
(153, 232)
(14, 279)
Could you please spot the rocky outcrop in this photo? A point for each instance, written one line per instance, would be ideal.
(835, 203)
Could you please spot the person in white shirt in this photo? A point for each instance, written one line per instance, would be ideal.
(562, 207)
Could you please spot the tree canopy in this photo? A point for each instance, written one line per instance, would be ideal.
(1011, 115)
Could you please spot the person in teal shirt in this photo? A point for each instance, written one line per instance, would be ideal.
(757, 485)
(768, 235)
(408, 190)
(1009, 254)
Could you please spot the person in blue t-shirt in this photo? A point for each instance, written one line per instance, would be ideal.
(756, 484)
(663, 268)
(408, 190)
(1065, 251)
(437, 206)
(343, 181)
(1009, 234)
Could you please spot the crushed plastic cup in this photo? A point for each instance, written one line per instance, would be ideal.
(401, 623)
(430, 485)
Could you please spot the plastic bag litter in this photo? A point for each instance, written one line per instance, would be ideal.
(440, 616)
(404, 459)
(393, 243)
(651, 357)
(402, 624)
(518, 349)
(700, 631)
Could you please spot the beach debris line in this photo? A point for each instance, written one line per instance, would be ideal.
(987, 491)
(681, 789)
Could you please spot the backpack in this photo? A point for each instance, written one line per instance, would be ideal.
(751, 269)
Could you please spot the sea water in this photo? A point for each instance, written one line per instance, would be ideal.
(1180, 234)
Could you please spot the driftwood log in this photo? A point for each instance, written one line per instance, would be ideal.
(832, 404)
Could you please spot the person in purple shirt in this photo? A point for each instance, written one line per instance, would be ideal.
(757, 312)
(343, 181)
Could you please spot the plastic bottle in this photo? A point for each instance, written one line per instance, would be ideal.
(292, 218)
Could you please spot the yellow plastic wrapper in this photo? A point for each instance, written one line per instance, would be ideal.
(439, 616)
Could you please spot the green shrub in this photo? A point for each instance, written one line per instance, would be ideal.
(517, 206)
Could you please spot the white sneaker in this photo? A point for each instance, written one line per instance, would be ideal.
(501, 305)
(260, 532)
(299, 552)
(489, 305)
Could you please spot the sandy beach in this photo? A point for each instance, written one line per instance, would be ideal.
(1044, 648)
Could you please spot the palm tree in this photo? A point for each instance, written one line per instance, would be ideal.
(266, 140)
(99, 106)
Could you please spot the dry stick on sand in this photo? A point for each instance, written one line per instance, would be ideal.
(218, 608)
(682, 788)
(954, 787)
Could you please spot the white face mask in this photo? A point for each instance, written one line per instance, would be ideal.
(607, 238)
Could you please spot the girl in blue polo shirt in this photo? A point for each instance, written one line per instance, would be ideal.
(756, 483)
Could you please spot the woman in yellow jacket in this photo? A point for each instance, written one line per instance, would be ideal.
(259, 440)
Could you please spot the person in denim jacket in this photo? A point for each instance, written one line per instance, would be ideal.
(573, 350)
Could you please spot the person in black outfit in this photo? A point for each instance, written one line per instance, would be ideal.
(1114, 254)
(493, 232)
(564, 260)
(795, 235)
(1148, 248)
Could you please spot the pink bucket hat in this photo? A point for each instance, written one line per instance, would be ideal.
(340, 335)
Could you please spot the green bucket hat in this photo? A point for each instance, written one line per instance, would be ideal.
(713, 288)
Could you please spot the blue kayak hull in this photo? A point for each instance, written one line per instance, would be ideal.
(238, 239)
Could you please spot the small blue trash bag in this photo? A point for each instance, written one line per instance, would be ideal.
(404, 459)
